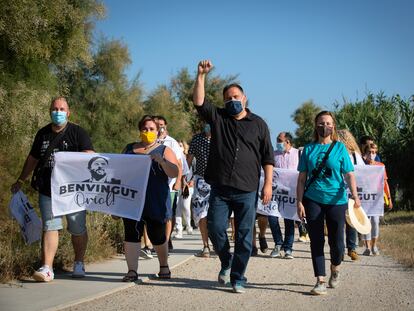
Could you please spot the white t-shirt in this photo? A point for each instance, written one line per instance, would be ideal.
(173, 144)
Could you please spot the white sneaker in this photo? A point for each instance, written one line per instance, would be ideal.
(78, 270)
(44, 274)
(375, 251)
(189, 230)
(179, 234)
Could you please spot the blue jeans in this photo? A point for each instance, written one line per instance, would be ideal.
(286, 243)
(76, 221)
(223, 201)
(316, 214)
(351, 237)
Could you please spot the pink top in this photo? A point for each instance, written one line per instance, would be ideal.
(289, 159)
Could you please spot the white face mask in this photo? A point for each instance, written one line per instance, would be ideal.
(373, 156)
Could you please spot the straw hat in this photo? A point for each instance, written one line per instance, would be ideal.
(357, 218)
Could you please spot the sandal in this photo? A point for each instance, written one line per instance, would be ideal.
(130, 278)
(165, 276)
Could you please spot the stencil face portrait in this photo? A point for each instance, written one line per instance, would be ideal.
(97, 166)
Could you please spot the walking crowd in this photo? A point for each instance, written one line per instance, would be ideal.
(214, 182)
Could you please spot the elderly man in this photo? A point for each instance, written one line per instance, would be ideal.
(286, 156)
(240, 146)
(60, 135)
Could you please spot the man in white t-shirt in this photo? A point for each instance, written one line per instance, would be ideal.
(183, 169)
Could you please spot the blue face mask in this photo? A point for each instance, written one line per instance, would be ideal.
(233, 107)
(59, 117)
(207, 128)
(280, 147)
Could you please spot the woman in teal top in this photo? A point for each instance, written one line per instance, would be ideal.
(325, 197)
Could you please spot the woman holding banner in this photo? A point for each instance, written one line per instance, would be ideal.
(321, 196)
(370, 153)
(156, 209)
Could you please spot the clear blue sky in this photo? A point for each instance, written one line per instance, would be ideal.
(285, 52)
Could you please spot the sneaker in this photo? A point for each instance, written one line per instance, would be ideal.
(375, 251)
(189, 230)
(334, 279)
(307, 238)
(367, 252)
(302, 238)
(78, 270)
(146, 253)
(179, 234)
(205, 252)
(276, 252)
(288, 254)
(353, 254)
(224, 276)
(153, 252)
(319, 288)
(44, 274)
(263, 244)
(238, 288)
(254, 251)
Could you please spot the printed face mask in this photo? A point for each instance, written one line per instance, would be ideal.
(233, 107)
(148, 137)
(324, 131)
(59, 117)
(280, 147)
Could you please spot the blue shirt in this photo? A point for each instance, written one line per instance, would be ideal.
(329, 187)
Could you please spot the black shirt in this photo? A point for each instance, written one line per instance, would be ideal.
(75, 138)
(238, 148)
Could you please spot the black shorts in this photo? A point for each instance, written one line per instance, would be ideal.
(135, 229)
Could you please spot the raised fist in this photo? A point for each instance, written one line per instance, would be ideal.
(204, 66)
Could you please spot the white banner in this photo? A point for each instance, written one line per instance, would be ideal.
(108, 183)
(283, 203)
(370, 187)
(201, 197)
(23, 212)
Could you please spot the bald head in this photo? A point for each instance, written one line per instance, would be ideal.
(59, 104)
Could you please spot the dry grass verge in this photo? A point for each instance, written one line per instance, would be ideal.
(18, 260)
(397, 237)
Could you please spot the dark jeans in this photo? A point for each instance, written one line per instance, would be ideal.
(286, 243)
(316, 214)
(351, 237)
(224, 200)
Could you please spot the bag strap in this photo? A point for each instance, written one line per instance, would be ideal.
(52, 145)
(355, 159)
(318, 170)
(147, 151)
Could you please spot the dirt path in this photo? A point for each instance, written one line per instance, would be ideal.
(371, 283)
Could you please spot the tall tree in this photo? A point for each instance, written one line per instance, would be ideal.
(304, 117)
(107, 104)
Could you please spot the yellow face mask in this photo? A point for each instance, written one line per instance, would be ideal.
(148, 137)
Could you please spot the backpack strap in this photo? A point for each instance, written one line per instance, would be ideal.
(318, 170)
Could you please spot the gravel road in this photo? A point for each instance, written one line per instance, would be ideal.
(371, 283)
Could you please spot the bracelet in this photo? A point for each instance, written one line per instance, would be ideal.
(20, 180)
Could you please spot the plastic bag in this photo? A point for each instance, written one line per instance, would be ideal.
(23, 212)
